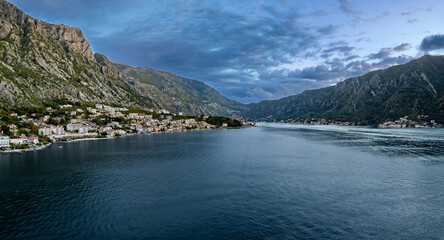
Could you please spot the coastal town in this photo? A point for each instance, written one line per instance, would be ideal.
(420, 121)
(66, 122)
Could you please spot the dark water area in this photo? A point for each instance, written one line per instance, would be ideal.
(276, 181)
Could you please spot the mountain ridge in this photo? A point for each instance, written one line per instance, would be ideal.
(40, 61)
(414, 88)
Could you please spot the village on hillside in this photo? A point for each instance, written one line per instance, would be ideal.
(68, 122)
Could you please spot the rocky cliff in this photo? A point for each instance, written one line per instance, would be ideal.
(40, 61)
(178, 94)
(415, 88)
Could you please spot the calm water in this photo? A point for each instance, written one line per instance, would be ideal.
(276, 181)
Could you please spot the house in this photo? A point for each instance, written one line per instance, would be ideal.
(4, 141)
(133, 115)
(33, 139)
(66, 106)
(18, 140)
(12, 127)
(109, 109)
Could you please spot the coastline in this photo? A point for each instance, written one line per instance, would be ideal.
(106, 138)
(27, 149)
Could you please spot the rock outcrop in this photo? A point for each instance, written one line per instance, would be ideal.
(40, 61)
(415, 88)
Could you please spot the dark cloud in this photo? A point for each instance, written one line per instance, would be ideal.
(249, 54)
(383, 53)
(78, 9)
(327, 30)
(434, 42)
(214, 45)
(413, 20)
(343, 49)
(390, 61)
(402, 47)
(347, 7)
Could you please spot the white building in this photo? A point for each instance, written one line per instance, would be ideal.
(73, 127)
(33, 140)
(4, 141)
(83, 130)
(17, 140)
(109, 109)
(133, 115)
(45, 131)
(51, 131)
(58, 130)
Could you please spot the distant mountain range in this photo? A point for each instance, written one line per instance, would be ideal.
(40, 61)
(415, 88)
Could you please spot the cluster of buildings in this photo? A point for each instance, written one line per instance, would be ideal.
(91, 122)
(405, 122)
(6, 141)
(316, 121)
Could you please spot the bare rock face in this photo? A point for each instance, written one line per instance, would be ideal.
(107, 67)
(412, 89)
(40, 61)
(72, 37)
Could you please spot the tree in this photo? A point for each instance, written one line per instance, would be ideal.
(6, 130)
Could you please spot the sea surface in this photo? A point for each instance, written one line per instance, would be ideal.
(275, 181)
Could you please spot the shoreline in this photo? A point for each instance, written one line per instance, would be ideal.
(31, 149)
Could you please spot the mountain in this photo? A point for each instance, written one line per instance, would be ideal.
(177, 93)
(40, 61)
(415, 88)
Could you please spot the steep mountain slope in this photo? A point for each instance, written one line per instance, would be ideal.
(41, 61)
(178, 94)
(415, 88)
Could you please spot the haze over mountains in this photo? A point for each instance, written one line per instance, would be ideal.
(41, 61)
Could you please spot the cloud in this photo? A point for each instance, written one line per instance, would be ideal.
(247, 50)
(402, 47)
(383, 53)
(413, 20)
(434, 42)
(327, 30)
(407, 14)
(347, 7)
(342, 49)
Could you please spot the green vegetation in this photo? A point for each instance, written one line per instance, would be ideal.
(413, 89)
(219, 121)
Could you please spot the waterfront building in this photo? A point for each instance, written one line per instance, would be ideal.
(4, 141)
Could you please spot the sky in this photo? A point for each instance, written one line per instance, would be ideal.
(255, 50)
